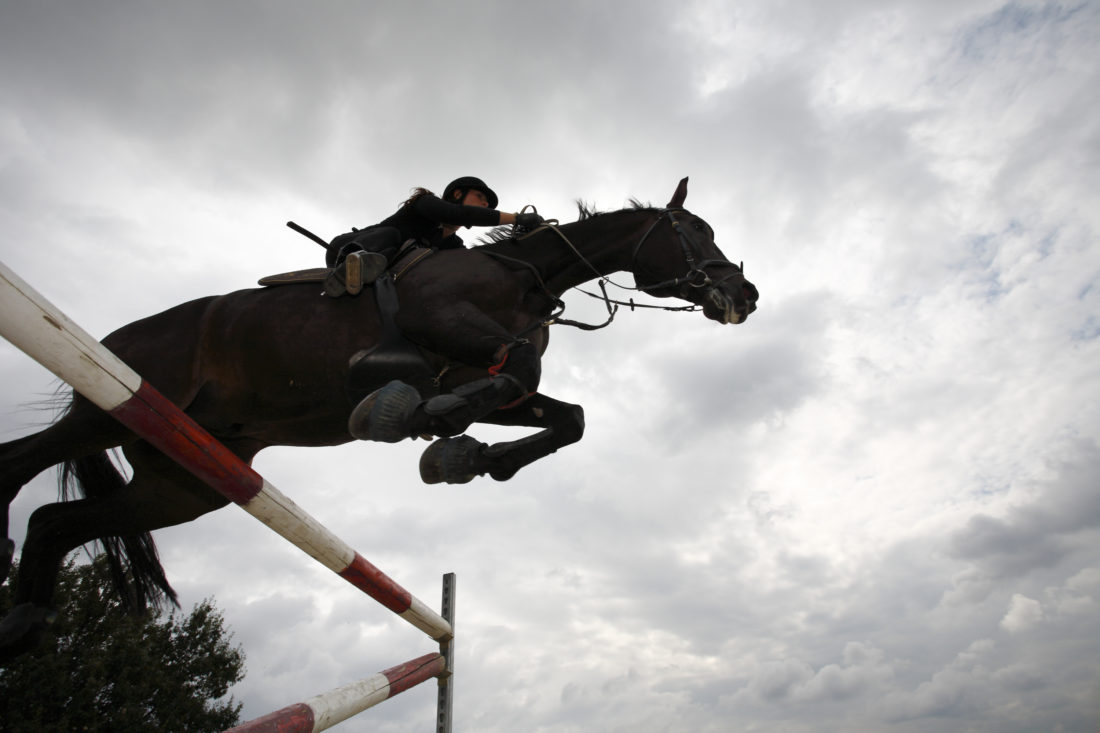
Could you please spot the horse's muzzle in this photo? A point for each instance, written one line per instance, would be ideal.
(730, 302)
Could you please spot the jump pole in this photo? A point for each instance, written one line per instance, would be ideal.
(324, 711)
(40, 330)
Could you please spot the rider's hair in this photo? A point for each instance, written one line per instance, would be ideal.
(417, 193)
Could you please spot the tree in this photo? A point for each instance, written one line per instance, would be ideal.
(102, 669)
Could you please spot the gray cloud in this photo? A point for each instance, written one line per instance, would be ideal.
(818, 519)
(1039, 533)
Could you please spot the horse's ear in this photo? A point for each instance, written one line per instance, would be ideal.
(678, 197)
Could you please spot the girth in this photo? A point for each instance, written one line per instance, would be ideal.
(393, 357)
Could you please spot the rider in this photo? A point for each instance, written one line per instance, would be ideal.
(396, 411)
(428, 220)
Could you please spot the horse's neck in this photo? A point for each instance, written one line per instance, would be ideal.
(603, 244)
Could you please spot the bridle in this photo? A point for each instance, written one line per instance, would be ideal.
(696, 275)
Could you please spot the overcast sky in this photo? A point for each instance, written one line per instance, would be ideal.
(874, 506)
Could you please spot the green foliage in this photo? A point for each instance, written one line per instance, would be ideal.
(101, 669)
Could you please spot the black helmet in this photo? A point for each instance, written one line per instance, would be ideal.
(467, 182)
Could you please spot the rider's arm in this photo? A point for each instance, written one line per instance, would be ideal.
(438, 210)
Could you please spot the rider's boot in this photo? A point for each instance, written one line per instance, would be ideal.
(355, 271)
(396, 412)
(363, 268)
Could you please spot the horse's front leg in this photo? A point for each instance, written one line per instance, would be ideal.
(457, 460)
(512, 371)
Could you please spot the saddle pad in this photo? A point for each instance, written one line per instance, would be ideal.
(312, 275)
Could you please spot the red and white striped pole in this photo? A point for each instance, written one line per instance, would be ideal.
(330, 708)
(44, 333)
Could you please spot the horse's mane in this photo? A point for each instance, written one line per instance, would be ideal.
(584, 213)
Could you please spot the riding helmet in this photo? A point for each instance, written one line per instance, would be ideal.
(468, 182)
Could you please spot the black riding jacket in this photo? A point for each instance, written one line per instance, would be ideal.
(422, 219)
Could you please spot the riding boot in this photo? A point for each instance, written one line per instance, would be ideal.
(334, 282)
(354, 271)
(364, 268)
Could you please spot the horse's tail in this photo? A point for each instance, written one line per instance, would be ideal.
(135, 568)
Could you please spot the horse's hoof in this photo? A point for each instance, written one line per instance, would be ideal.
(450, 460)
(22, 628)
(7, 552)
(385, 414)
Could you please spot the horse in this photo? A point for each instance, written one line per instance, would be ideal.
(270, 366)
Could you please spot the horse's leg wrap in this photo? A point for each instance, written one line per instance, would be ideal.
(395, 412)
(451, 414)
(457, 460)
(517, 368)
(384, 415)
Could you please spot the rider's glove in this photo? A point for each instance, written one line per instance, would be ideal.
(528, 220)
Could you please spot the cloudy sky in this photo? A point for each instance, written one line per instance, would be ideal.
(874, 506)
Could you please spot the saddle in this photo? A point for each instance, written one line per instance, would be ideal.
(312, 275)
(336, 278)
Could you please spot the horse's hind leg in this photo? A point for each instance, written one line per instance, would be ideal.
(9, 489)
(161, 494)
(82, 431)
(457, 460)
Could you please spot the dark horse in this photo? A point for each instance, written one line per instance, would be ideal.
(270, 366)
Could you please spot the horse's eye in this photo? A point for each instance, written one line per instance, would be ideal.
(703, 228)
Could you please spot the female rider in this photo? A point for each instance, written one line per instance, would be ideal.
(428, 220)
(432, 222)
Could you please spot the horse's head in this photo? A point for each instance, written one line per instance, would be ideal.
(677, 258)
